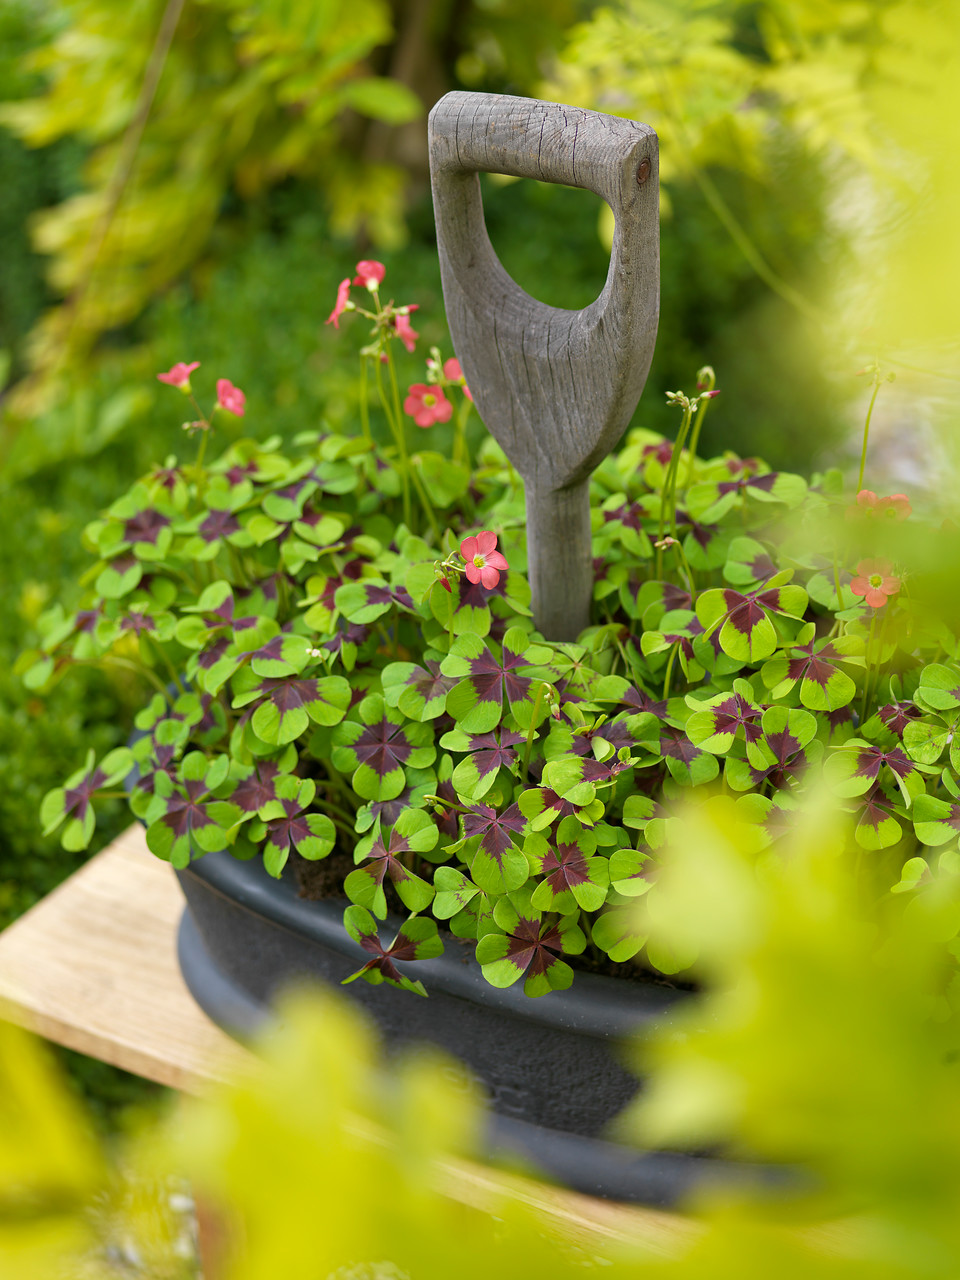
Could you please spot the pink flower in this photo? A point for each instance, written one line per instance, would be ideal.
(179, 375)
(895, 507)
(230, 397)
(369, 274)
(427, 405)
(343, 299)
(875, 582)
(405, 331)
(453, 373)
(483, 559)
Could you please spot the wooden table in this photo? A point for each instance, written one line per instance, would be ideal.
(93, 967)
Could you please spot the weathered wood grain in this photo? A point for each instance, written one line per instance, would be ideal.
(94, 967)
(556, 388)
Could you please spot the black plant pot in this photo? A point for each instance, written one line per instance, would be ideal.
(553, 1067)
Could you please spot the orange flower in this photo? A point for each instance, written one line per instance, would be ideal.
(896, 507)
(875, 582)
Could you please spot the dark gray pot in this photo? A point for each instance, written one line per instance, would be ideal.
(553, 1066)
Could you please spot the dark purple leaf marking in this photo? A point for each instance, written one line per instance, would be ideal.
(237, 473)
(139, 623)
(765, 483)
(870, 759)
(565, 867)
(675, 744)
(218, 524)
(897, 715)
(383, 746)
(533, 947)
(286, 833)
(145, 526)
(186, 813)
(78, 798)
(816, 666)
(494, 828)
(254, 792)
(642, 700)
(489, 753)
(734, 713)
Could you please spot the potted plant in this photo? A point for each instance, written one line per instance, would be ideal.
(366, 763)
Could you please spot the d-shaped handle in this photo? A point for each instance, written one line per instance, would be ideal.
(556, 388)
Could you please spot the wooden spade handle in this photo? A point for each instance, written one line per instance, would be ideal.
(556, 388)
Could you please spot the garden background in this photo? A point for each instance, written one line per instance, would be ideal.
(190, 179)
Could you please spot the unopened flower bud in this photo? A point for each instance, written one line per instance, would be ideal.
(665, 543)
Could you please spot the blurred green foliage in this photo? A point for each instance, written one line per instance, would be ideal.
(826, 1036)
(763, 87)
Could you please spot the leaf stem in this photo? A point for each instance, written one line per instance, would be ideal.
(531, 732)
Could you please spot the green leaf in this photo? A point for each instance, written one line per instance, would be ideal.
(382, 99)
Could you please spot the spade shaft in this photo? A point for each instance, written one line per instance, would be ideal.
(555, 388)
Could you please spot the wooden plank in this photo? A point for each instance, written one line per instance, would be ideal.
(93, 967)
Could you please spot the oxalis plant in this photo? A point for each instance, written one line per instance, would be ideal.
(342, 659)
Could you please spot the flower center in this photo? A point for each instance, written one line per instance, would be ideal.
(429, 400)
(479, 561)
(876, 580)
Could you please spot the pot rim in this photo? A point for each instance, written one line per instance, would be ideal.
(595, 1005)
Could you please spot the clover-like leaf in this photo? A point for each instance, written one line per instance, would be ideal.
(476, 773)
(854, 767)
(420, 692)
(369, 599)
(185, 819)
(285, 825)
(382, 854)
(529, 947)
(939, 688)
(746, 631)
(498, 864)
(716, 723)
(286, 705)
(73, 803)
(935, 820)
(572, 876)
(619, 932)
(417, 940)
(377, 745)
(823, 685)
(488, 675)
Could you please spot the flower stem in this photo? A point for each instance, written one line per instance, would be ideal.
(669, 671)
(424, 498)
(836, 580)
(365, 401)
(711, 378)
(668, 497)
(866, 429)
(868, 669)
(397, 431)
